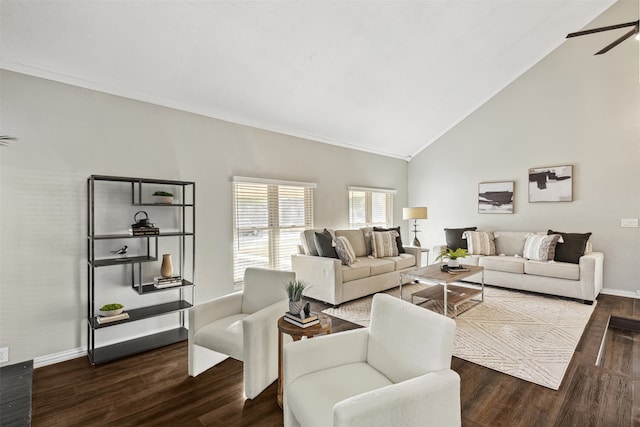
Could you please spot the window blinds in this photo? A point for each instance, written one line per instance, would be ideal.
(268, 218)
(370, 207)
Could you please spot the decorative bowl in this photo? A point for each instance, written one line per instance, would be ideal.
(114, 312)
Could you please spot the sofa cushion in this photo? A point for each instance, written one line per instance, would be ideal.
(510, 242)
(480, 242)
(573, 246)
(378, 265)
(357, 270)
(398, 238)
(454, 237)
(403, 261)
(368, 234)
(560, 270)
(383, 244)
(356, 238)
(313, 396)
(508, 264)
(307, 238)
(324, 244)
(540, 247)
(344, 250)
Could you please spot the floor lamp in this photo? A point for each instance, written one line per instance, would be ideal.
(415, 214)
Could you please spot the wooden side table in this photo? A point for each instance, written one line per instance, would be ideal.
(296, 332)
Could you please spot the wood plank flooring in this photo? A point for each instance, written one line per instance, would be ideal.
(153, 388)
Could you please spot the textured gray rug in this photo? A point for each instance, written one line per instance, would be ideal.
(531, 337)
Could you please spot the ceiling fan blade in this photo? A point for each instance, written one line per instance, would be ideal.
(617, 42)
(600, 29)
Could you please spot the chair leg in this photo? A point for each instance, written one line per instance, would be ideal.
(201, 359)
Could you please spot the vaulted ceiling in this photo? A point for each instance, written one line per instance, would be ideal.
(387, 77)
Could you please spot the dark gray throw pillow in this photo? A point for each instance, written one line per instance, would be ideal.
(572, 247)
(324, 244)
(398, 239)
(454, 237)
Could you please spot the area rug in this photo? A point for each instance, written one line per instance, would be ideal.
(528, 336)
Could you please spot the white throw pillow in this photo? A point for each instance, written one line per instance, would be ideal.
(540, 248)
(345, 251)
(480, 242)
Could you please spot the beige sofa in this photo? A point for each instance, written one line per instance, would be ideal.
(508, 269)
(334, 283)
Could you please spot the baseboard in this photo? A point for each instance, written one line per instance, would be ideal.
(620, 293)
(63, 356)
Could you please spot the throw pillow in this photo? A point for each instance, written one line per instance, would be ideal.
(324, 244)
(345, 251)
(480, 242)
(572, 247)
(398, 239)
(454, 237)
(540, 247)
(383, 244)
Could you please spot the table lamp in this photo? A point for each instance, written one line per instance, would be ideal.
(415, 214)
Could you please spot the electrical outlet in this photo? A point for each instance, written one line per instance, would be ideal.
(4, 354)
(638, 292)
(629, 222)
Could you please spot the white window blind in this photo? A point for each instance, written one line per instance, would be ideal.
(268, 218)
(370, 207)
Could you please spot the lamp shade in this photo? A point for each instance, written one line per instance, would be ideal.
(414, 213)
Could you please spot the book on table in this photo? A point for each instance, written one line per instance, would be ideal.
(300, 324)
(144, 231)
(298, 318)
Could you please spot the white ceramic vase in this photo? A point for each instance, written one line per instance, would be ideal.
(453, 262)
(295, 307)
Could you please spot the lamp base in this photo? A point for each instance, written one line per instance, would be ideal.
(415, 242)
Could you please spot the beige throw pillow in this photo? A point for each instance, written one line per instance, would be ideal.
(383, 244)
(480, 242)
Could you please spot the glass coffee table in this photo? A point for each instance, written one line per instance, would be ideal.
(440, 286)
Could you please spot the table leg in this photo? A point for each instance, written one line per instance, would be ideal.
(445, 298)
(280, 350)
(482, 293)
(401, 287)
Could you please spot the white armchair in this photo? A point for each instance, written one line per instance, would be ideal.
(397, 372)
(242, 325)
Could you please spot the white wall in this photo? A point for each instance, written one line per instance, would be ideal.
(571, 108)
(68, 133)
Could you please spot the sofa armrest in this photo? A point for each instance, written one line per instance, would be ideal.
(323, 352)
(591, 275)
(437, 250)
(212, 310)
(416, 252)
(432, 399)
(324, 275)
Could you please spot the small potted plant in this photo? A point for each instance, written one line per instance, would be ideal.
(452, 256)
(162, 197)
(294, 289)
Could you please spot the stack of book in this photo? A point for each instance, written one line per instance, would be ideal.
(166, 282)
(108, 319)
(296, 319)
(144, 231)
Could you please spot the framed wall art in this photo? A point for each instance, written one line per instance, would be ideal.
(495, 197)
(551, 184)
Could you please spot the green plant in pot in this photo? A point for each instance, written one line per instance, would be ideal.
(163, 197)
(294, 289)
(452, 256)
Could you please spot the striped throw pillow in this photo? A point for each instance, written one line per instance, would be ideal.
(345, 251)
(383, 244)
(480, 243)
(540, 248)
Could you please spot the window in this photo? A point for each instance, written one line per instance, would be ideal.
(268, 216)
(370, 207)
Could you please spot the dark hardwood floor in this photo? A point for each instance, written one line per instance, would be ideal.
(153, 388)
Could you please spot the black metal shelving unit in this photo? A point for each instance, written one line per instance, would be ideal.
(184, 292)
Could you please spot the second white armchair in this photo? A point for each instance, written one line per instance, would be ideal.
(242, 325)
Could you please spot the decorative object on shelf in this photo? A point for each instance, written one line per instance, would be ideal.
(143, 226)
(167, 266)
(415, 214)
(495, 197)
(452, 256)
(162, 197)
(294, 290)
(111, 309)
(551, 184)
(161, 282)
(121, 251)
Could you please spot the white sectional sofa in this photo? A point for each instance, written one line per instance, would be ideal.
(508, 268)
(333, 282)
